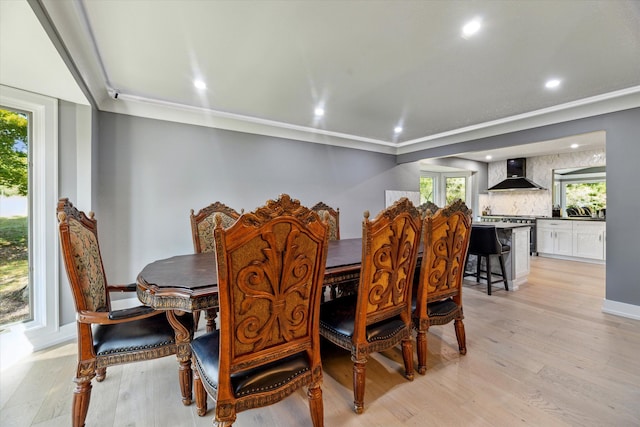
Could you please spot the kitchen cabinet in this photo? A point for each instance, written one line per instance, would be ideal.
(555, 237)
(572, 238)
(588, 240)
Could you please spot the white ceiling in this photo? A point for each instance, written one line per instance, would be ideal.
(372, 65)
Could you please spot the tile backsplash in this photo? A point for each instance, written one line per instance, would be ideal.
(539, 170)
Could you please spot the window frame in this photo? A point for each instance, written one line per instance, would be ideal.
(43, 240)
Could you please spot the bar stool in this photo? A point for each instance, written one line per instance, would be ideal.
(484, 243)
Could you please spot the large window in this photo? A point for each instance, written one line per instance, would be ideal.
(455, 188)
(15, 287)
(443, 188)
(42, 243)
(589, 194)
(427, 189)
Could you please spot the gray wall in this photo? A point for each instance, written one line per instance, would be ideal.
(151, 173)
(623, 194)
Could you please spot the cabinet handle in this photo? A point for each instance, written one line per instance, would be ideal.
(600, 237)
(551, 234)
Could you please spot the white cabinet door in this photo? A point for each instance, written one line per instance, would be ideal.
(545, 240)
(563, 244)
(588, 240)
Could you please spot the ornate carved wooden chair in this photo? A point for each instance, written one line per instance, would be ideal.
(270, 270)
(334, 218)
(202, 226)
(108, 337)
(426, 207)
(438, 297)
(378, 316)
(334, 234)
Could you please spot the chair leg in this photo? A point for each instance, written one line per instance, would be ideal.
(489, 279)
(462, 339)
(200, 393)
(359, 374)
(478, 263)
(82, 394)
(225, 414)
(407, 355)
(504, 272)
(210, 315)
(314, 394)
(101, 374)
(421, 346)
(196, 319)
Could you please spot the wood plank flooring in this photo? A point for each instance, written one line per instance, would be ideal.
(544, 355)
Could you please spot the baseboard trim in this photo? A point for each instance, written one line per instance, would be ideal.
(621, 309)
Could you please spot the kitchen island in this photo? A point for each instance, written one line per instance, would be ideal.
(516, 235)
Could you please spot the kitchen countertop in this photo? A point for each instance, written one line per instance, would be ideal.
(574, 218)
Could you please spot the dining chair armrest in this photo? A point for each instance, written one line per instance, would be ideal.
(116, 316)
(131, 287)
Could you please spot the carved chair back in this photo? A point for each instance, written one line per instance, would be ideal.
(334, 218)
(81, 254)
(270, 270)
(446, 241)
(427, 207)
(390, 244)
(202, 225)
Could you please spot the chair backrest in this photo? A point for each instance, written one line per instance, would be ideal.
(334, 219)
(270, 270)
(390, 244)
(82, 259)
(445, 237)
(484, 240)
(202, 225)
(427, 207)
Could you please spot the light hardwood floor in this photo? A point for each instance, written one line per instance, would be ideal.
(544, 355)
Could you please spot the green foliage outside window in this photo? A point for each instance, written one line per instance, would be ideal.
(13, 153)
(590, 194)
(455, 189)
(426, 189)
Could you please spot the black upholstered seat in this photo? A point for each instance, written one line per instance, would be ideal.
(338, 316)
(142, 334)
(255, 380)
(484, 243)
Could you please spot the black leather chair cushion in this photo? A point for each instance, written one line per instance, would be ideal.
(338, 316)
(438, 308)
(147, 333)
(205, 350)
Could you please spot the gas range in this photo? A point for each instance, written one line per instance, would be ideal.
(520, 219)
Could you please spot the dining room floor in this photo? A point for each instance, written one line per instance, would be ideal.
(544, 355)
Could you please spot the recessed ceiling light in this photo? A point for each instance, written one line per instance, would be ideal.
(574, 145)
(471, 27)
(488, 157)
(199, 84)
(319, 112)
(552, 84)
(397, 129)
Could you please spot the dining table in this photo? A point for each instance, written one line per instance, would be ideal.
(184, 283)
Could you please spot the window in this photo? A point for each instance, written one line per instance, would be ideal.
(15, 284)
(443, 188)
(455, 188)
(427, 187)
(586, 194)
(43, 243)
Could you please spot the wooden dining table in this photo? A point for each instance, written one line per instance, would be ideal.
(185, 283)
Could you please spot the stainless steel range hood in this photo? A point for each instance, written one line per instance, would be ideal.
(516, 180)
